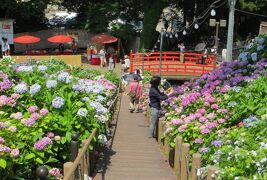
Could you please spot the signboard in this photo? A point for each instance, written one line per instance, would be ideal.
(263, 28)
(6, 29)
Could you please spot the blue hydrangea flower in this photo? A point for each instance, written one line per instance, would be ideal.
(85, 99)
(35, 89)
(236, 88)
(25, 69)
(82, 112)
(260, 40)
(216, 143)
(63, 76)
(42, 68)
(58, 102)
(21, 88)
(260, 47)
(99, 108)
(254, 56)
(99, 98)
(250, 122)
(243, 56)
(51, 84)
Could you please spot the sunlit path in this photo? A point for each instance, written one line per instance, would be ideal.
(134, 155)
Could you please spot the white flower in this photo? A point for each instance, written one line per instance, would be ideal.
(82, 112)
(51, 84)
(103, 139)
(42, 68)
(254, 153)
(21, 88)
(35, 89)
(58, 102)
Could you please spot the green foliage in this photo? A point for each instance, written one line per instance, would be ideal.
(152, 12)
(252, 5)
(113, 77)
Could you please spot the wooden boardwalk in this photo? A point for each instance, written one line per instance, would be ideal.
(133, 156)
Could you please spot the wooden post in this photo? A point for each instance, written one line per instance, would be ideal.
(82, 163)
(66, 168)
(160, 125)
(185, 161)
(85, 161)
(196, 164)
(177, 156)
(74, 146)
(166, 145)
(211, 172)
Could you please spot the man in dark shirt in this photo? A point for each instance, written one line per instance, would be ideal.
(155, 97)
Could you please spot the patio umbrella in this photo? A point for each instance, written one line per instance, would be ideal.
(60, 39)
(200, 46)
(26, 39)
(103, 39)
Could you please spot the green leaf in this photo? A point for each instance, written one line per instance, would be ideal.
(3, 163)
(40, 161)
(63, 140)
(30, 156)
(50, 160)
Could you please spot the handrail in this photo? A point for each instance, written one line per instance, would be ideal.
(80, 156)
(71, 171)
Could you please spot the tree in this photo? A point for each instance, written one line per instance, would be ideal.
(28, 15)
(252, 5)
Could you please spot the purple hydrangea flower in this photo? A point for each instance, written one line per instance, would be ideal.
(34, 89)
(216, 143)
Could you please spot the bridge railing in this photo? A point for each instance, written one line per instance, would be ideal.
(173, 63)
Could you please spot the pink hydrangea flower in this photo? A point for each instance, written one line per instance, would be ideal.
(202, 119)
(177, 121)
(206, 103)
(55, 172)
(214, 106)
(225, 89)
(44, 112)
(16, 116)
(41, 144)
(201, 111)
(50, 134)
(4, 148)
(211, 116)
(15, 96)
(221, 121)
(182, 128)
(198, 141)
(2, 140)
(14, 152)
(34, 116)
(32, 109)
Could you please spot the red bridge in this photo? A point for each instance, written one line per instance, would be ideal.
(175, 65)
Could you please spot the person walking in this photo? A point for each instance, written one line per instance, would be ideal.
(111, 63)
(5, 47)
(155, 97)
(102, 55)
(182, 50)
(127, 63)
(135, 95)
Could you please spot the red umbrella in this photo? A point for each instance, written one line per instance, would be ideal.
(60, 39)
(103, 39)
(26, 39)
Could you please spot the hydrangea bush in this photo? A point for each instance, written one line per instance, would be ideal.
(41, 105)
(209, 110)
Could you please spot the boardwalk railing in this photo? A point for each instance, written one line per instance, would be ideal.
(179, 157)
(80, 168)
(173, 63)
(82, 164)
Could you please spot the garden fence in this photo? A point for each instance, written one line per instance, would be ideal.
(179, 157)
(82, 164)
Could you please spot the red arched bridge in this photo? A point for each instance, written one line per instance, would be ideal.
(175, 65)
